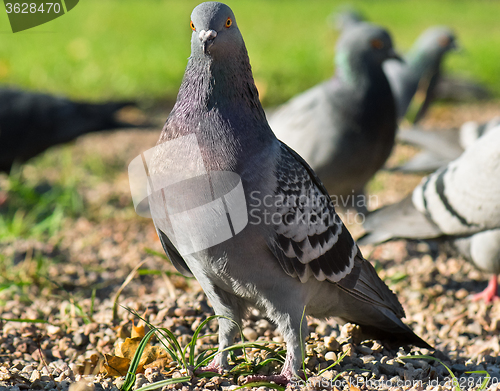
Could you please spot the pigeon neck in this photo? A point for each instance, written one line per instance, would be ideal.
(421, 62)
(357, 70)
(219, 103)
(226, 88)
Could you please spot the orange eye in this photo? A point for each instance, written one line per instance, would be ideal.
(229, 22)
(444, 41)
(377, 43)
(192, 26)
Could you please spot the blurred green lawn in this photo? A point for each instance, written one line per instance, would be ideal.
(138, 49)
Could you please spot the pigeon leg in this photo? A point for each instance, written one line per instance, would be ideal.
(227, 307)
(227, 332)
(291, 334)
(491, 291)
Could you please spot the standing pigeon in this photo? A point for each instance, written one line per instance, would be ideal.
(441, 147)
(32, 122)
(422, 67)
(458, 204)
(345, 127)
(246, 215)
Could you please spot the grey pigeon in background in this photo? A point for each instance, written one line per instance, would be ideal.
(288, 251)
(345, 127)
(459, 204)
(345, 18)
(421, 69)
(440, 147)
(32, 122)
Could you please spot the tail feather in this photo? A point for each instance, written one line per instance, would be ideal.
(400, 220)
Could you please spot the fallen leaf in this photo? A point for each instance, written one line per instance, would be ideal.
(138, 331)
(124, 354)
(116, 366)
(353, 388)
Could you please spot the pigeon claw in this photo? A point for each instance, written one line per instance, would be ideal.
(490, 293)
(284, 378)
(278, 379)
(212, 367)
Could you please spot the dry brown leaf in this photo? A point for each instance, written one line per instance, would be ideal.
(127, 349)
(91, 366)
(138, 331)
(353, 388)
(116, 366)
(160, 363)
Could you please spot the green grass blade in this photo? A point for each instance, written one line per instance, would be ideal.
(169, 336)
(192, 344)
(162, 383)
(486, 380)
(261, 384)
(454, 378)
(338, 361)
(302, 342)
(130, 378)
(24, 320)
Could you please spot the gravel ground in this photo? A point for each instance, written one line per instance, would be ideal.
(99, 251)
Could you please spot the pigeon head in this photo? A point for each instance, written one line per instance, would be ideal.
(363, 48)
(218, 81)
(433, 43)
(215, 31)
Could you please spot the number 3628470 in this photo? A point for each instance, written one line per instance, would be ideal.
(32, 8)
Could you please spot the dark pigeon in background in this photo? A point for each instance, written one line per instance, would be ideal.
(440, 147)
(281, 267)
(32, 122)
(459, 205)
(345, 127)
(421, 69)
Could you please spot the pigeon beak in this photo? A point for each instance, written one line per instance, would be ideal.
(395, 56)
(207, 39)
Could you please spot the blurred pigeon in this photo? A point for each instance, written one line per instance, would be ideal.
(458, 204)
(421, 68)
(457, 89)
(345, 127)
(345, 18)
(32, 122)
(440, 147)
(288, 250)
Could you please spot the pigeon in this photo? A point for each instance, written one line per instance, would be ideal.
(421, 68)
(345, 127)
(246, 215)
(31, 122)
(440, 147)
(345, 18)
(457, 205)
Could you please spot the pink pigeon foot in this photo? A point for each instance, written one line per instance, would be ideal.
(214, 366)
(282, 379)
(490, 293)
